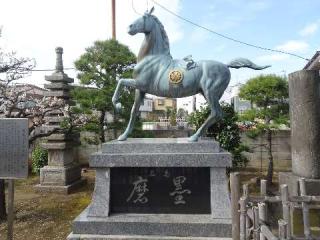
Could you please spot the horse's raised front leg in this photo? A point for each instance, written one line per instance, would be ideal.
(122, 82)
(134, 112)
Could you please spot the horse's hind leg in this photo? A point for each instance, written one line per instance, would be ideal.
(215, 115)
(134, 112)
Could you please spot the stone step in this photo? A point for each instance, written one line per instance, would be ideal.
(54, 119)
(221, 159)
(59, 77)
(58, 86)
(57, 145)
(63, 136)
(57, 93)
(165, 225)
(136, 237)
(160, 145)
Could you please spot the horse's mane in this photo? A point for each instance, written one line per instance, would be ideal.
(163, 31)
(146, 46)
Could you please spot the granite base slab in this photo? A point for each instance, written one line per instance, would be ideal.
(61, 189)
(176, 225)
(160, 145)
(136, 237)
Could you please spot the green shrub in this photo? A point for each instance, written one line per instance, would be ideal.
(39, 159)
(225, 131)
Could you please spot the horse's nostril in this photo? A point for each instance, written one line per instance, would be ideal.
(130, 26)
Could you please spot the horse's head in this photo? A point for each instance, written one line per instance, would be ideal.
(143, 24)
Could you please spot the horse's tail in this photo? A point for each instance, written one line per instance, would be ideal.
(243, 62)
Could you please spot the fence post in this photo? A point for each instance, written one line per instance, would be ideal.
(256, 225)
(245, 190)
(282, 229)
(263, 187)
(305, 209)
(235, 196)
(262, 216)
(263, 193)
(286, 207)
(245, 194)
(243, 217)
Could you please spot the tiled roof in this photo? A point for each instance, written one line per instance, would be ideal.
(314, 62)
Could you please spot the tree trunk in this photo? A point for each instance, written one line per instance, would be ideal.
(3, 212)
(270, 157)
(101, 122)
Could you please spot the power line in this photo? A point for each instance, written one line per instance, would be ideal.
(134, 9)
(227, 37)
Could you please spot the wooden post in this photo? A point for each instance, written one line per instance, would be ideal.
(286, 207)
(235, 197)
(3, 210)
(263, 193)
(282, 229)
(10, 208)
(113, 19)
(243, 217)
(262, 217)
(266, 232)
(263, 187)
(305, 209)
(245, 194)
(245, 190)
(256, 225)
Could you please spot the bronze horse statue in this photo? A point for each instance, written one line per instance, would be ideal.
(159, 74)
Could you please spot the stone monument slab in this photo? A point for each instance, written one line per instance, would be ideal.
(14, 146)
(160, 190)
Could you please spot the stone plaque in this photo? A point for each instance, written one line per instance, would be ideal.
(13, 148)
(181, 190)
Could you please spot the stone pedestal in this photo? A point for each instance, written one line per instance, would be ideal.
(304, 93)
(158, 189)
(63, 173)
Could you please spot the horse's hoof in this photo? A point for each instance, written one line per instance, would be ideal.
(122, 137)
(193, 138)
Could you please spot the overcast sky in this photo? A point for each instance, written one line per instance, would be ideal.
(34, 28)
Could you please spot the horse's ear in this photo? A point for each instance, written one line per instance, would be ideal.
(151, 10)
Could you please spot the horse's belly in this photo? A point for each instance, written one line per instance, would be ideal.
(188, 85)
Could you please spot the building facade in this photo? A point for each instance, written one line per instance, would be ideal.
(163, 104)
(240, 105)
(146, 107)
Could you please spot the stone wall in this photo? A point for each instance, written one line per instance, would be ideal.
(84, 151)
(281, 149)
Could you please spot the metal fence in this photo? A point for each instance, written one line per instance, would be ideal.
(164, 124)
(249, 213)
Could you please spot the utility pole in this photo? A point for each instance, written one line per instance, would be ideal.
(113, 15)
(113, 9)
